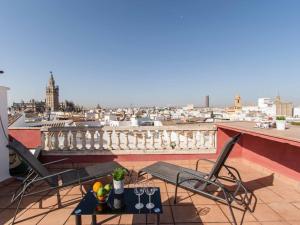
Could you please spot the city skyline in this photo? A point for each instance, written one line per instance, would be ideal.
(151, 53)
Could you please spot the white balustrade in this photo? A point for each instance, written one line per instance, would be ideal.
(164, 138)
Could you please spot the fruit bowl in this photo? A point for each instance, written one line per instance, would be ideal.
(101, 192)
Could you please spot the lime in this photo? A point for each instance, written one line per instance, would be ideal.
(101, 192)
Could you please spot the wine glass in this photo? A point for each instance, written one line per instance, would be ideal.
(139, 190)
(150, 190)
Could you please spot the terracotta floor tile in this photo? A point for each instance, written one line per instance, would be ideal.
(182, 198)
(162, 186)
(32, 216)
(297, 204)
(164, 198)
(211, 213)
(171, 188)
(166, 216)
(240, 215)
(71, 201)
(7, 215)
(48, 202)
(57, 217)
(108, 219)
(201, 200)
(5, 202)
(264, 213)
(286, 210)
(268, 196)
(288, 194)
(185, 214)
(275, 223)
(137, 219)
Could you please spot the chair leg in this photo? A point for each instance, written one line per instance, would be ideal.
(58, 199)
(81, 190)
(231, 212)
(175, 197)
(17, 209)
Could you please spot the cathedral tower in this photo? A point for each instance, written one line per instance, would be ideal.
(52, 95)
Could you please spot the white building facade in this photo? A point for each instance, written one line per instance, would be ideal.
(4, 153)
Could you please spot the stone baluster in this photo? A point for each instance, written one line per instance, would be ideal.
(211, 139)
(49, 140)
(169, 139)
(118, 140)
(65, 143)
(194, 140)
(136, 140)
(74, 139)
(153, 139)
(186, 135)
(161, 140)
(202, 139)
(92, 133)
(126, 140)
(178, 139)
(144, 140)
(101, 132)
(56, 141)
(83, 139)
(43, 140)
(181, 142)
(109, 140)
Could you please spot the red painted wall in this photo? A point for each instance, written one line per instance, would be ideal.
(281, 157)
(31, 138)
(223, 136)
(132, 157)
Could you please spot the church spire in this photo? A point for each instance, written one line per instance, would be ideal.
(51, 80)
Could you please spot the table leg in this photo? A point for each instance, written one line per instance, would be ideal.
(78, 219)
(94, 220)
(157, 219)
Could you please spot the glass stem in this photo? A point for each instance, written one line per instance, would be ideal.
(149, 198)
(139, 199)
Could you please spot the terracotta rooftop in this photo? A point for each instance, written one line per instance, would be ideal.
(278, 202)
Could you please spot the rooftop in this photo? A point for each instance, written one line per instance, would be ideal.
(292, 133)
(277, 202)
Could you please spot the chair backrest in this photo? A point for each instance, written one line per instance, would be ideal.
(223, 156)
(31, 161)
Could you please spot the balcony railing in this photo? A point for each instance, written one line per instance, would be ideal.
(104, 140)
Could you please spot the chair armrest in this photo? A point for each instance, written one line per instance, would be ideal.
(55, 161)
(206, 160)
(230, 170)
(60, 160)
(199, 178)
(53, 175)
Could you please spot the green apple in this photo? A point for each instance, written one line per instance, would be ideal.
(101, 192)
(107, 187)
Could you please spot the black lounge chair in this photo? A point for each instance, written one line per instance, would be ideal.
(40, 173)
(202, 183)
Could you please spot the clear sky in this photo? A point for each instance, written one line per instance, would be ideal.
(118, 53)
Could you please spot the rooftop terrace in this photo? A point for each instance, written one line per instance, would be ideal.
(268, 161)
(277, 202)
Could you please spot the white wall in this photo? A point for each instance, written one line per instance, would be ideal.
(297, 111)
(4, 153)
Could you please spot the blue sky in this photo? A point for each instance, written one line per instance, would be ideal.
(118, 53)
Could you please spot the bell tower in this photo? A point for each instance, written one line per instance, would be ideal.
(52, 95)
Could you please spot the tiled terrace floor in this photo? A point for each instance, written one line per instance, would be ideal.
(278, 203)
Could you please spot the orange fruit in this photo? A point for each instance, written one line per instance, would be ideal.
(96, 186)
